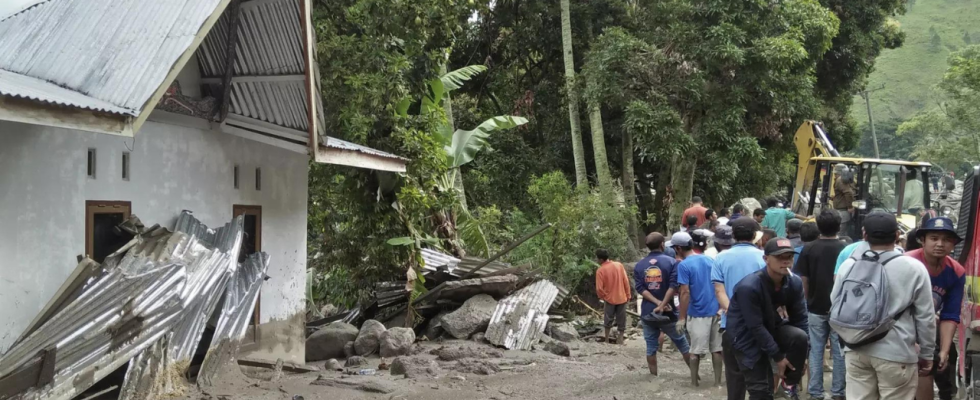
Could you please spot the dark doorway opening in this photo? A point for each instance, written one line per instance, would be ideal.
(102, 237)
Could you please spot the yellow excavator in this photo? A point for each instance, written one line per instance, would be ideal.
(894, 186)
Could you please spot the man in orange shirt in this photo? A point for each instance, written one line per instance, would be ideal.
(613, 287)
(696, 209)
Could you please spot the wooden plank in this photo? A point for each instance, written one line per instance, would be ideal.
(231, 54)
(286, 366)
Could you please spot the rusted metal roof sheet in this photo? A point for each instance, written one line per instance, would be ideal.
(114, 52)
(519, 319)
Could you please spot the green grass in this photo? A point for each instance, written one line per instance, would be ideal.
(910, 73)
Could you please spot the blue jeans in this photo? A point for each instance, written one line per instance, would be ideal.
(819, 332)
(651, 334)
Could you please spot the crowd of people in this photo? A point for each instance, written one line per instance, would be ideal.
(764, 296)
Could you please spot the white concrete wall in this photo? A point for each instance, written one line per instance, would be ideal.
(43, 189)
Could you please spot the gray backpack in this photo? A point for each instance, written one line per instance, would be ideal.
(858, 311)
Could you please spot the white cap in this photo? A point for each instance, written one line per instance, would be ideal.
(681, 239)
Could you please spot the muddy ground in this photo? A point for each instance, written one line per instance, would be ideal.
(594, 371)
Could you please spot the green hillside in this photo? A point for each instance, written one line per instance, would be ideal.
(910, 72)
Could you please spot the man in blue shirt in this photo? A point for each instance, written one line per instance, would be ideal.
(730, 267)
(757, 333)
(655, 277)
(776, 217)
(699, 303)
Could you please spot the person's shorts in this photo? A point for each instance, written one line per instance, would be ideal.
(651, 334)
(705, 336)
(615, 313)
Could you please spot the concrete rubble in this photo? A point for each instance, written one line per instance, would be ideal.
(146, 305)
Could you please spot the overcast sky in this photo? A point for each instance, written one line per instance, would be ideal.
(8, 7)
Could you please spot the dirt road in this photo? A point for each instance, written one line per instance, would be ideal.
(594, 371)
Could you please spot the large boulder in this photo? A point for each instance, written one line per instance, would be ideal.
(397, 342)
(329, 341)
(564, 332)
(472, 317)
(413, 367)
(369, 339)
(555, 347)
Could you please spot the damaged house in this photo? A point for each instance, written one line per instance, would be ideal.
(116, 108)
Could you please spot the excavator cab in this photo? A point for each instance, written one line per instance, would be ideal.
(897, 187)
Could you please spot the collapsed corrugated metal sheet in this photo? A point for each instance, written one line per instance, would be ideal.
(434, 259)
(113, 320)
(114, 52)
(151, 306)
(519, 319)
(345, 145)
(210, 256)
(241, 294)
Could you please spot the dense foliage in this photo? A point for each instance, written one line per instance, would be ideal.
(691, 97)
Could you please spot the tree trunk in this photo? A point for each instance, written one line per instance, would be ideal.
(682, 183)
(661, 199)
(629, 193)
(599, 149)
(574, 119)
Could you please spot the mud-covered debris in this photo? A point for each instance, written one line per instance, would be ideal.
(564, 332)
(479, 337)
(477, 367)
(368, 384)
(556, 347)
(412, 367)
(356, 361)
(458, 353)
(333, 365)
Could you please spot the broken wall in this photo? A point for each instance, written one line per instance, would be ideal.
(44, 187)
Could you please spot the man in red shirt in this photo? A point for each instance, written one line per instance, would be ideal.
(696, 209)
(613, 287)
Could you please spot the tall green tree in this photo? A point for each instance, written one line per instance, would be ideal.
(711, 84)
(574, 119)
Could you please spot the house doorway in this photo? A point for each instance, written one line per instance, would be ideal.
(251, 243)
(102, 238)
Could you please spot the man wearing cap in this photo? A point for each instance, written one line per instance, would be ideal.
(655, 277)
(938, 237)
(886, 368)
(699, 303)
(759, 335)
(730, 267)
(613, 287)
(722, 240)
(816, 269)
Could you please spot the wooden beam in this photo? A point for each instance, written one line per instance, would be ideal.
(46, 114)
(306, 21)
(255, 78)
(231, 54)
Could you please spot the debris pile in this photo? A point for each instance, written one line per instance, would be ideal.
(147, 305)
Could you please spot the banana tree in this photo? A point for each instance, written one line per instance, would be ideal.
(461, 146)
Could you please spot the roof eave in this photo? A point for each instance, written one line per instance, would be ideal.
(353, 158)
(48, 114)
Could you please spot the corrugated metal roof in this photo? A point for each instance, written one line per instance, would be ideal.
(345, 145)
(16, 85)
(270, 43)
(111, 51)
(519, 319)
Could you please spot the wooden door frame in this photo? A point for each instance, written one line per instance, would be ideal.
(93, 207)
(242, 209)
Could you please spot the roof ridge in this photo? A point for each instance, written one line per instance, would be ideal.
(26, 9)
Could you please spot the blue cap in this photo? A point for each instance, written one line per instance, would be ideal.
(938, 224)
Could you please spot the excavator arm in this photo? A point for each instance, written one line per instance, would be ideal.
(811, 141)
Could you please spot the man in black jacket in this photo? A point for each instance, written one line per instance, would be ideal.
(759, 335)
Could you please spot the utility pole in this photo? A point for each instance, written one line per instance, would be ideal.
(866, 94)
